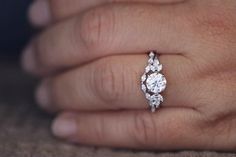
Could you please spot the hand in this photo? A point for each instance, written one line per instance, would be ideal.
(91, 63)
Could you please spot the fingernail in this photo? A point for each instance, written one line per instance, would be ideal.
(28, 59)
(65, 127)
(43, 95)
(39, 13)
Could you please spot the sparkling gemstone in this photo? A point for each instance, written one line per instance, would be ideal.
(156, 63)
(148, 96)
(153, 109)
(144, 87)
(143, 77)
(147, 69)
(156, 82)
(153, 68)
(159, 67)
(150, 61)
(151, 54)
(154, 102)
(160, 98)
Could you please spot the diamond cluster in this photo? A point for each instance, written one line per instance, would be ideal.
(153, 82)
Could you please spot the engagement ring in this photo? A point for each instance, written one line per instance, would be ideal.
(153, 82)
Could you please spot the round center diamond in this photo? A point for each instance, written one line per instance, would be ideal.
(156, 82)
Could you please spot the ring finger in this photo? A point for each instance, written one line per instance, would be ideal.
(113, 83)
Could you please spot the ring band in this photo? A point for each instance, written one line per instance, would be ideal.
(153, 82)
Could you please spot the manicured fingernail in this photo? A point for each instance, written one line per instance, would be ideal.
(28, 60)
(43, 95)
(65, 127)
(39, 13)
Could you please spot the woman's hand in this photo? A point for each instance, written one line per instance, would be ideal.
(91, 60)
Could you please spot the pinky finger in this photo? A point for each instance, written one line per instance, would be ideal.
(167, 129)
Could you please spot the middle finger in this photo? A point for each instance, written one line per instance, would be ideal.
(110, 30)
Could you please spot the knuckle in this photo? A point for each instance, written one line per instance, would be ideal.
(222, 125)
(223, 95)
(144, 130)
(108, 82)
(215, 23)
(96, 28)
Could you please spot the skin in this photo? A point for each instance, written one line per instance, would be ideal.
(91, 55)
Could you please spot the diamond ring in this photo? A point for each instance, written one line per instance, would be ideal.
(153, 82)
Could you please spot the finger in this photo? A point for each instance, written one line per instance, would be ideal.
(167, 129)
(109, 30)
(113, 83)
(44, 12)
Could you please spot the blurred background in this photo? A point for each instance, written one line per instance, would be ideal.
(14, 28)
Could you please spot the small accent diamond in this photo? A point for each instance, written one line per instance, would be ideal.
(144, 87)
(159, 67)
(148, 96)
(160, 98)
(151, 54)
(153, 109)
(153, 68)
(143, 77)
(150, 61)
(147, 69)
(156, 62)
(154, 100)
